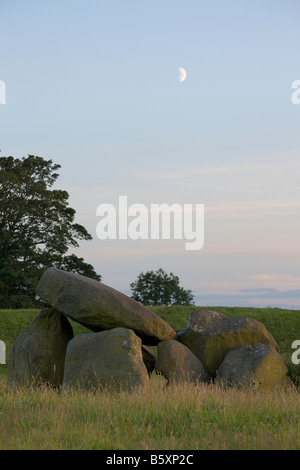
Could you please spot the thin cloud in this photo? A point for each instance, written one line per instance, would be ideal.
(254, 208)
(280, 282)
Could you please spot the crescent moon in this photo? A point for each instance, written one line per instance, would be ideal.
(182, 74)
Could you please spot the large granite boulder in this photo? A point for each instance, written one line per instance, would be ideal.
(38, 355)
(178, 364)
(259, 365)
(100, 307)
(210, 335)
(108, 359)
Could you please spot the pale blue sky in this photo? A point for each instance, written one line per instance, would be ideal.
(94, 86)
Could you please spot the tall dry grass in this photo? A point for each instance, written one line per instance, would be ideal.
(160, 418)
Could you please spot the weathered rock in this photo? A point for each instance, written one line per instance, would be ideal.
(178, 364)
(100, 307)
(2, 352)
(108, 359)
(204, 319)
(38, 355)
(149, 358)
(210, 335)
(259, 365)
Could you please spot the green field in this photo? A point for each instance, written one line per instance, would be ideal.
(165, 418)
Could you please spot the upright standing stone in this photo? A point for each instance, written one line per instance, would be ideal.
(38, 355)
(108, 359)
(100, 307)
(2, 353)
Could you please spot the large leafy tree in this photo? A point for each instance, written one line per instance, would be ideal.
(160, 288)
(37, 228)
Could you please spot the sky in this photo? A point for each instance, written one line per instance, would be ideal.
(94, 86)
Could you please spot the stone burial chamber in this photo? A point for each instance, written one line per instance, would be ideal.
(116, 352)
(127, 342)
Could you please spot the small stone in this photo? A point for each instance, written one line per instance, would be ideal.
(2, 352)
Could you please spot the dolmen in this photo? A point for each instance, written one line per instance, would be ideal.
(126, 342)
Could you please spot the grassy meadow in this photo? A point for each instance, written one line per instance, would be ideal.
(158, 418)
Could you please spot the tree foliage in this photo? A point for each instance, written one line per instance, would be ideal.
(36, 228)
(160, 288)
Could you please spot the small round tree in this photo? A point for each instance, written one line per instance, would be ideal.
(37, 228)
(160, 288)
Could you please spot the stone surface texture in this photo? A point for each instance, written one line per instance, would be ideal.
(108, 359)
(100, 307)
